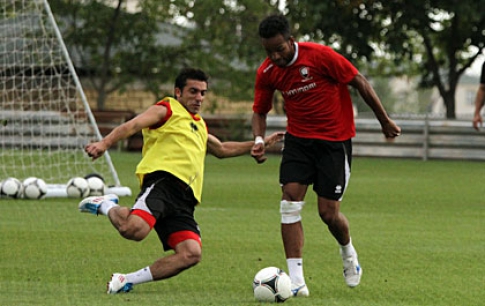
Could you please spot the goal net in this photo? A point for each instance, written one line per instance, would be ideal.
(45, 119)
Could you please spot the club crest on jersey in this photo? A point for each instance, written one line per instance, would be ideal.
(305, 73)
(194, 127)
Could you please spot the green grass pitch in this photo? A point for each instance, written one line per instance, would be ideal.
(418, 227)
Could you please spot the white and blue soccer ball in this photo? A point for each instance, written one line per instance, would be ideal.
(11, 187)
(272, 284)
(77, 187)
(97, 187)
(34, 188)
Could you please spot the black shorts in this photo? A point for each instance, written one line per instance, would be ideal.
(171, 202)
(325, 164)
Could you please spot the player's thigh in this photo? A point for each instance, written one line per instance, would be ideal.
(333, 170)
(177, 228)
(297, 163)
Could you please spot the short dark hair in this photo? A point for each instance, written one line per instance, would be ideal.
(273, 25)
(190, 74)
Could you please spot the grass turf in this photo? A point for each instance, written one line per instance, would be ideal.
(418, 227)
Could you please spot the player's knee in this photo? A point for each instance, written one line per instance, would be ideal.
(190, 252)
(193, 257)
(329, 216)
(188, 246)
(290, 211)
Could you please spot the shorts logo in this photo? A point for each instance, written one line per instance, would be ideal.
(338, 189)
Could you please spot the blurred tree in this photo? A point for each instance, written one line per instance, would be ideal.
(224, 41)
(155, 38)
(437, 39)
(113, 47)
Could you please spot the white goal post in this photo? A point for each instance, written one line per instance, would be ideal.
(45, 119)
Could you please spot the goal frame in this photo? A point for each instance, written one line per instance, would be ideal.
(45, 117)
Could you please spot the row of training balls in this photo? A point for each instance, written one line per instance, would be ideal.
(36, 188)
(30, 188)
(90, 185)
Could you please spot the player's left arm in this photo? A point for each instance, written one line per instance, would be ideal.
(389, 127)
(236, 148)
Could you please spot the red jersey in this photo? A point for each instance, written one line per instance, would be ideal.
(315, 92)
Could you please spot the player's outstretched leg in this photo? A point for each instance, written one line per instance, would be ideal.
(118, 283)
(92, 204)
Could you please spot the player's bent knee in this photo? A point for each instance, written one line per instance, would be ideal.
(329, 213)
(290, 211)
(187, 244)
(328, 217)
(193, 257)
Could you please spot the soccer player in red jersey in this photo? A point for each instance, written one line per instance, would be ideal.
(313, 80)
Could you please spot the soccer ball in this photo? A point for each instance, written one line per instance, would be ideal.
(11, 187)
(34, 188)
(96, 185)
(272, 284)
(77, 187)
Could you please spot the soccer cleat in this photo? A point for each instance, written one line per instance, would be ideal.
(300, 290)
(91, 204)
(118, 284)
(352, 271)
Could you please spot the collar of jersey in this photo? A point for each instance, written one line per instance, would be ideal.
(295, 56)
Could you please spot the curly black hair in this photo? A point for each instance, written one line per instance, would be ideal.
(274, 25)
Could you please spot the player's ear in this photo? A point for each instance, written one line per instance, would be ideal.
(177, 92)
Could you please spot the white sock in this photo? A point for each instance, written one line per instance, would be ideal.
(106, 206)
(295, 270)
(141, 276)
(347, 250)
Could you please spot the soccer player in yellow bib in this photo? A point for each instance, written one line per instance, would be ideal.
(175, 143)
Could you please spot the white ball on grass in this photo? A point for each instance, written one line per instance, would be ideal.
(34, 188)
(77, 187)
(11, 187)
(272, 284)
(97, 186)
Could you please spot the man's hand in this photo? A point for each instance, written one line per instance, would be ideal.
(270, 140)
(257, 152)
(391, 130)
(477, 122)
(258, 149)
(95, 149)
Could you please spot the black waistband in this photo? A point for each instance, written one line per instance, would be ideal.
(150, 178)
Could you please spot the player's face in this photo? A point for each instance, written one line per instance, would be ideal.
(279, 50)
(192, 95)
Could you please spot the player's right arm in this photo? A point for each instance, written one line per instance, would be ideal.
(263, 102)
(151, 117)
(259, 129)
